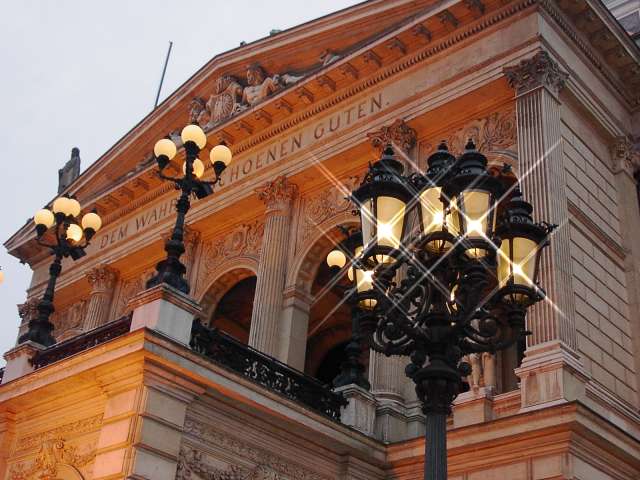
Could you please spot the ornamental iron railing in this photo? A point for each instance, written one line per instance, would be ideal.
(264, 370)
(62, 350)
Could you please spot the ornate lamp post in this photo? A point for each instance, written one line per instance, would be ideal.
(70, 238)
(468, 274)
(361, 300)
(171, 270)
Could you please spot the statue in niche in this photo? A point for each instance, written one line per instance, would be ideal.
(70, 171)
(260, 86)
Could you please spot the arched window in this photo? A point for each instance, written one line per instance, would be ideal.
(232, 314)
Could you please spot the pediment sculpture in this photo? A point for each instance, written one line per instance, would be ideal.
(231, 97)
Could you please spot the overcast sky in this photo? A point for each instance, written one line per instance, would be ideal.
(83, 72)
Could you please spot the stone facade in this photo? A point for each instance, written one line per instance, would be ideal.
(550, 88)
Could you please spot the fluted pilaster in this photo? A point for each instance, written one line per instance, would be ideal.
(538, 82)
(267, 304)
(102, 280)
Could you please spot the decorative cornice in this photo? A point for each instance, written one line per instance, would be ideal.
(538, 71)
(624, 156)
(278, 194)
(399, 134)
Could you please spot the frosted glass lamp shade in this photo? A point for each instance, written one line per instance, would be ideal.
(336, 258)
(74, 232)
(193, 133)
(91, 221)
(74, 207)
(165, 147)
(60, 205)
(44, 217)
(220, 153)
(198, 168)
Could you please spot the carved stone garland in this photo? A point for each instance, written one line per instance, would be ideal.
(625, 156)
(399, 134)
(54, 454)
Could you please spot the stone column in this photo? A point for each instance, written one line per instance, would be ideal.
(387, 378)
(267, 303)
(102, 280)
(538, 82)
(626, 163)
(294, 328)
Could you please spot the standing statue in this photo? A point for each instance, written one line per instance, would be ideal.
(70, 171)
(260, 86)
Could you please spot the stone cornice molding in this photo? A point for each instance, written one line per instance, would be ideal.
(539, 71)
(624, 156)
(277, 195)
(399, 134)
(102, 278)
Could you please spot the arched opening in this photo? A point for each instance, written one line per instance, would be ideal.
(228, 303)
(329, 326)
(233, 312)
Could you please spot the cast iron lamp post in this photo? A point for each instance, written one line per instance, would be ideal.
(468, 274)
(360, 299)
(70, 238)
(171, 270)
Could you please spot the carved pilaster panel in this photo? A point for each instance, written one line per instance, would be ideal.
(129, 288)
(68, 322)
(102, 278)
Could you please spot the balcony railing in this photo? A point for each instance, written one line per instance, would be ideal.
(265, 370)
(103, 333)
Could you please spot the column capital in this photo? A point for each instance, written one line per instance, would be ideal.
(398, 133)
(624, 156)
(102, 278)
(277, 194)
(28, 310)
(538, 71)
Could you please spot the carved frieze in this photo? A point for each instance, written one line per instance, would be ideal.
(398, 134)
(231, 97)
(538, 71)
(494, 135)
(102, 278)
(130, 288)
(325, 205)
(78, 427)
(56, 459)
(253, 463)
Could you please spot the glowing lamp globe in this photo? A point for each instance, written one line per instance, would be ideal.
(336, 258)
(91, 221)
(61, 206)
(74, 207)
(1, 276)
(198, 168)
(44, 217)
(165, 147)
(74, 233)
(222, 154)
(193, 133)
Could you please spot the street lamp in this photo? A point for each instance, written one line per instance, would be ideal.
(171, 270)
(461, 284)
(360, 298)
(70, 238)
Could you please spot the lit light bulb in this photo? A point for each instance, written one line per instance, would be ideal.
(474, 226)
(74, 207)
(74, 232)
(1, 276)
(44, 217)
(385, 231)
(91, 220)
(336, 258)
(438, 218)
(220, 153)
(193, 133)
(165, 147)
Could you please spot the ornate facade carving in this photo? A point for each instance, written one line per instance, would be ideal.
(130, 288)
(80, 426)
(398, 133)
(192, 466)
(69, 321)
(102, 278)
(263, 464)
(538, 71)
(325, 205)
(28, 310)
(494, 135)
(54, 454)
(277, 194)
(624, 156)
(483, 370)
(231, 97)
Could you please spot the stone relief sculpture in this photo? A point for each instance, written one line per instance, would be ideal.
(263, 464)
(398, 133)
(69, 321)
(230, 97)
(483, 370)
(56, 459)
(494, 135)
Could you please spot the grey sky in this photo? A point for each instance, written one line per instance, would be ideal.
(82, 73)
